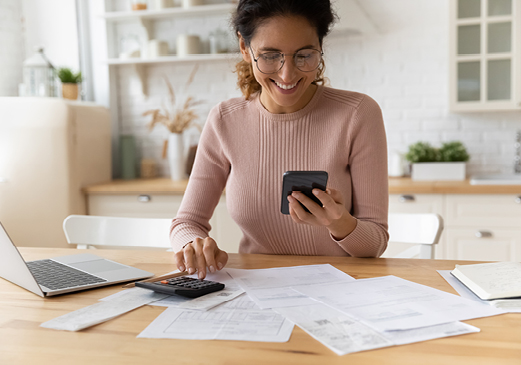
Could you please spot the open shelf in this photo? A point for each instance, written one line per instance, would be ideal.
(170, 12)
(168, 59)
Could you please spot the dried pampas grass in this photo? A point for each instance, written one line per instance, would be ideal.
(176, 120)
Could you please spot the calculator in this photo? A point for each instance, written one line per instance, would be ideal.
(183, 285)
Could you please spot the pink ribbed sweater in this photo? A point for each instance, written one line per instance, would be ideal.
(246, 149)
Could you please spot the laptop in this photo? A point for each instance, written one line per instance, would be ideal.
(64, 274)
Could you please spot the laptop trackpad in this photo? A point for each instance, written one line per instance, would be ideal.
(95, 266)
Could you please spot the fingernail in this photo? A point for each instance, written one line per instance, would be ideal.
(219, 265)
(181, 268)
(201, 275)
(315, 191)
(290, 199)
(295, 194)
(191, 270)
(212, 269)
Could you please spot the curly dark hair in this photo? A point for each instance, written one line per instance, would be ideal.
(251, 14)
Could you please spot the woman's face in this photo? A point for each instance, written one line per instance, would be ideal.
(289, 89)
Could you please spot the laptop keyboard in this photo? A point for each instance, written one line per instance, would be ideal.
(54, 275)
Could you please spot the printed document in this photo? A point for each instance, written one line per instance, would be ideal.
(102, 311)
(272, 288)
(391, 303)
(239, 320)
(344, 334)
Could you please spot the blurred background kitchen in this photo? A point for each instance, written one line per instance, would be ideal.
(442, 71)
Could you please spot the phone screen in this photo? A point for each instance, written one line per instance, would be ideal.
(303, 181)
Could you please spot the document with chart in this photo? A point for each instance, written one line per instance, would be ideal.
(239, 319)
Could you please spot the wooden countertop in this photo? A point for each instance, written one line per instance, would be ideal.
(396, 186)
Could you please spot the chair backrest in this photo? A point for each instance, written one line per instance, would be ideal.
(423, 230)
(86, 231)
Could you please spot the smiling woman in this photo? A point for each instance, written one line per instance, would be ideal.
(286, 121)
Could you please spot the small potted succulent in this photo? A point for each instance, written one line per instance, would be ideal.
(70, 81)
(444, 163)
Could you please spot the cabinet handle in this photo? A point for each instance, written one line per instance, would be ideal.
(406, 198)
(483, 234)
(517, 198)
(144, 198)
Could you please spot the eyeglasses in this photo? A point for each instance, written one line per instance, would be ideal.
(306, 60)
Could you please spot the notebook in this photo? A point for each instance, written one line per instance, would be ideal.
(495, 280)
(64, 274)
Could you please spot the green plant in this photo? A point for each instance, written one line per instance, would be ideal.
(421, 152)
(453, 151)
(67, 76)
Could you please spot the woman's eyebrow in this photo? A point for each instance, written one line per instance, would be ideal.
(271, 49)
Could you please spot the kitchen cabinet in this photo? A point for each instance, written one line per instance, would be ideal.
(160, 205)
(476, 226)
(485, 55)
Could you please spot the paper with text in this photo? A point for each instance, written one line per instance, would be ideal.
(239, 320)
(391, 303)
(272, 288)
(344, 334)
(102, 311)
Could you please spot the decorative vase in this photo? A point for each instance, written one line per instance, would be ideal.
(176, 156)
(70, 91)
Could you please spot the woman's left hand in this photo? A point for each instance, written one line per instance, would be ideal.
(333, 214)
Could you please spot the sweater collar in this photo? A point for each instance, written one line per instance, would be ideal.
(290, 116)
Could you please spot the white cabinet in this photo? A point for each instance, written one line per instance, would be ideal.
(485, 55)
(476, 226)
(224, 230)
(483, 227)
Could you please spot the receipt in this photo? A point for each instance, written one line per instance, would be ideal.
(103, 310)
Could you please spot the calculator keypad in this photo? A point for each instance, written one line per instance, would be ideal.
(183, 285)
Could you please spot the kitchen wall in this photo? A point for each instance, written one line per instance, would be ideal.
(27, 24)
(12, 53)
(404, 67)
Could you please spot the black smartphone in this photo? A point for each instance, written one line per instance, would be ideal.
(303, 181)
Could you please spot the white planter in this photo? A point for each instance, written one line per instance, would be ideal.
(176, 156)
(440, 171)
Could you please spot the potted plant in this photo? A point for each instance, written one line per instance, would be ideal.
(70, 81)
(445, 163)
(176, 120)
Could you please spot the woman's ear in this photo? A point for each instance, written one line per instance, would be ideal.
(245, 51)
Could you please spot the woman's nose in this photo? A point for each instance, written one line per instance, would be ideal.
(288, 70)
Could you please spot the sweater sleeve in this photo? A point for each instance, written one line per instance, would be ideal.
(370, 186)
(205, 186)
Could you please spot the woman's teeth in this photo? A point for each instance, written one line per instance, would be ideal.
(286, 87)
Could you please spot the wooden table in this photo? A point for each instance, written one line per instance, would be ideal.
(22, 341)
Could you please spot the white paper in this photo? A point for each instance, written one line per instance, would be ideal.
(102, 311)
(344, 334)
(337, 331)
(391, 303)
(507, 305)
(273, 288)
(239, 320)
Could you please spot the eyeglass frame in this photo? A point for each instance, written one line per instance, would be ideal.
(284, 59)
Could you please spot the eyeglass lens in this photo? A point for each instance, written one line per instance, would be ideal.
(306, 60)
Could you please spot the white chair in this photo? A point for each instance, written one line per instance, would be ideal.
(422, 230)
(88, 231)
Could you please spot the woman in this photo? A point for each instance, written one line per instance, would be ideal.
(287, 120)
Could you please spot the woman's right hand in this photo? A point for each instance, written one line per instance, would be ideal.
(200, 254)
